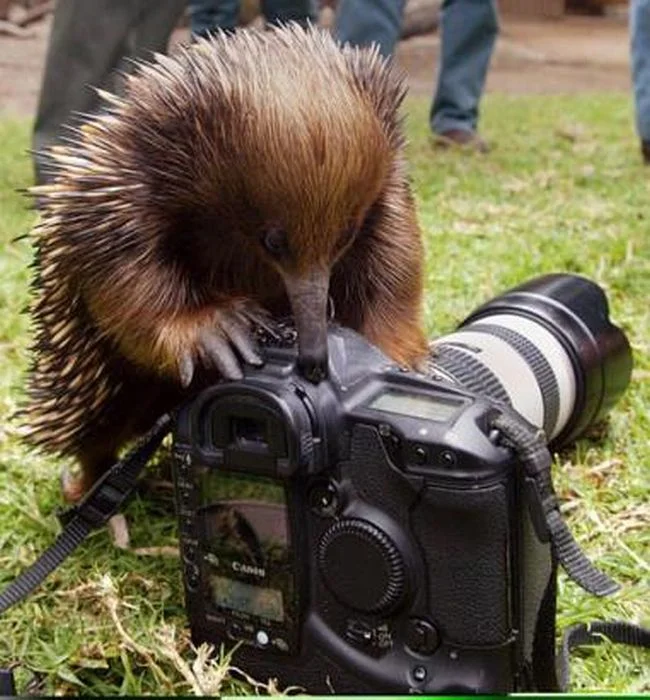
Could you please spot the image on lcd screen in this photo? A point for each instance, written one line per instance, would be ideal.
(255, 600)
(416, 406)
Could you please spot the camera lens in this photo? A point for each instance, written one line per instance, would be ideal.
(547, 348)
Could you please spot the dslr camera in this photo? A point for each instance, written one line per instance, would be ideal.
(373, 533)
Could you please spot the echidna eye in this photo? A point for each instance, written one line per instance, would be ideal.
(276, 243)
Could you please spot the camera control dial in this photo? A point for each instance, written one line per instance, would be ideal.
(352, 547)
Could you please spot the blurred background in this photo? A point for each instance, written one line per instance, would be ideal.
(546, 46)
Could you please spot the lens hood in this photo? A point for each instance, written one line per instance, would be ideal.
(575, 310)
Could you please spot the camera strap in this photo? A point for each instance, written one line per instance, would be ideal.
(530, 445)
(594, 633)
(551, 670)
(100, 504)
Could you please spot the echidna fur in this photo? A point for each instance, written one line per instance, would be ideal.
(129, 170)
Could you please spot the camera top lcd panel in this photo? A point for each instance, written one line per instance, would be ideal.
(363, 534)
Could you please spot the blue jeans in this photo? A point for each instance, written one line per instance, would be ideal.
(640, 47)
(468, 30)
(208, 15)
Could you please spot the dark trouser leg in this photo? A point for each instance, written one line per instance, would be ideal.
(154, 26)
(87, 43)
(209, 15)
(468, 31)
(279, 11)
(363, 22)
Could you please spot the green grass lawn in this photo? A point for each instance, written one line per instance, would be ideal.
(563, 190)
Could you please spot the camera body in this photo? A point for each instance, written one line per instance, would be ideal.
(364, 534)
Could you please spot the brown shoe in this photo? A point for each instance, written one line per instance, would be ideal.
(461, 138)
(645, 151)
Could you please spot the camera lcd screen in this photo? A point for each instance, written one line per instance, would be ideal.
(243, 597)
(416, 405)
(246, 544)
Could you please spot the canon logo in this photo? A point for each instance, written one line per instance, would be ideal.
(248, 569)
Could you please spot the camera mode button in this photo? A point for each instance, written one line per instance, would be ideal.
(421, 636)
(359, 632)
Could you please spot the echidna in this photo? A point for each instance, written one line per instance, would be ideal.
(249, 174)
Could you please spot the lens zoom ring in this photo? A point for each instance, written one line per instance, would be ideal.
(470, 373)
(538, 364)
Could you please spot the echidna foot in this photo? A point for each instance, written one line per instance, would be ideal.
(75, 482)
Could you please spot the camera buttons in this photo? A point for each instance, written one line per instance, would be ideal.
(324, 499)
(186, 498)
(359, 632)
(421, 636)
(235, 631)
(192, 576)
(189, 552)
(184, 460)
(419, 673)
(447, 458)
(187, 524)
(280, 644)
(420, 454)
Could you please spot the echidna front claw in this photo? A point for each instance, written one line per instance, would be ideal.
(217, 351)
(185, 369)
(242, 340)
(223, 343)
(229, 342)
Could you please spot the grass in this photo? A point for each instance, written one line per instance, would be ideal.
(563, 190)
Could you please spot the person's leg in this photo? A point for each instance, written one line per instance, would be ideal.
(280, 11)
(87, 43)
(362, 22)
(154, 25)
(208, 15)
(640, 49)
(468, 30)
